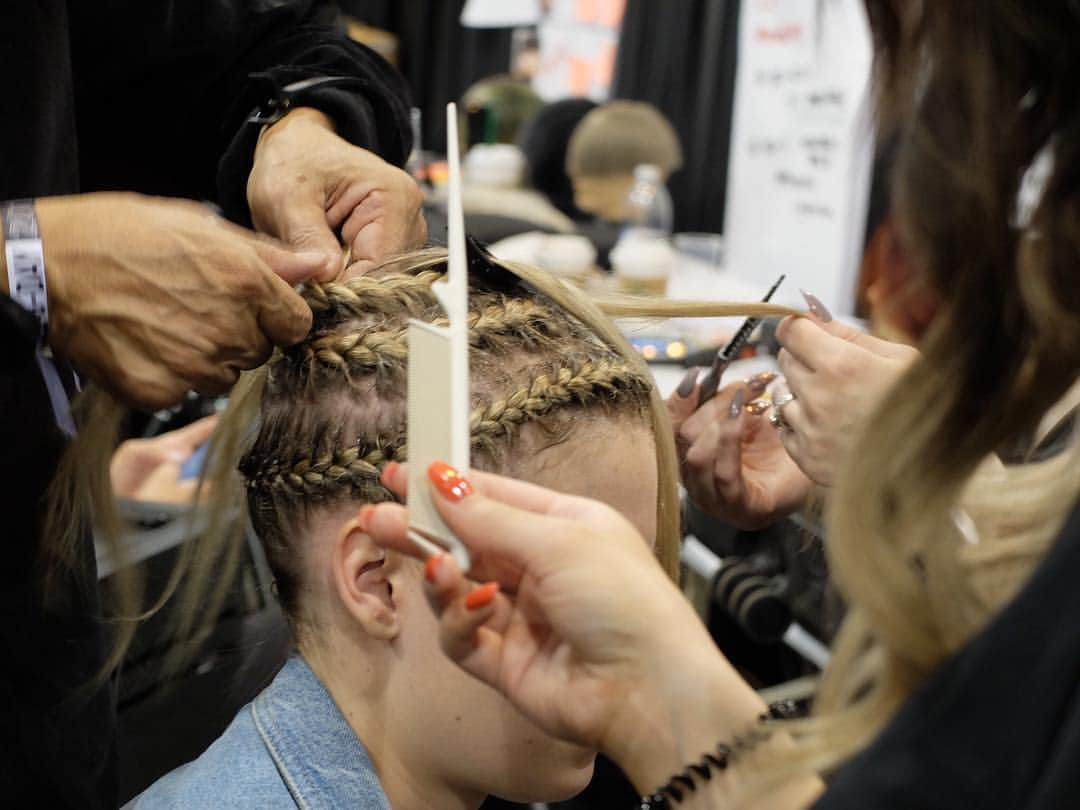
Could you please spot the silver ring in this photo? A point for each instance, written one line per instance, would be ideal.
(783, 400)
(776, 418)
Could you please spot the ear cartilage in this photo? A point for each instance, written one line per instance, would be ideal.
(438, 387)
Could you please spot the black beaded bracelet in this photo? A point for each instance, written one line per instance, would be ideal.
(718, 759)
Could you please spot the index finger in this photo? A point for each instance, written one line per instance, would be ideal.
(510, 491)
(807, 341)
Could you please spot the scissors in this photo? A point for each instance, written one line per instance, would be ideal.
(723, 358)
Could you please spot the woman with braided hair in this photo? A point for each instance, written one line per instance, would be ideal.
(370, 713)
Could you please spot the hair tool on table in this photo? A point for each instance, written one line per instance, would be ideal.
(723, 358)
(438, 378)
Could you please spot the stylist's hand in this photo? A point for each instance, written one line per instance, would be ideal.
(307, 185)
(838, 376)
(731, 460)
(586, 636)
(151, 298)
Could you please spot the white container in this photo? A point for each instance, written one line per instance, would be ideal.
(496, 165)
(643, 263)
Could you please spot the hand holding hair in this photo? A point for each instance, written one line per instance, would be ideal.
(150, 297)
(307, 184)
(838, 376)
(731, 460)
(584, 634)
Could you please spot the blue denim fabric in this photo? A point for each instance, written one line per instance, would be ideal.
(290, 747)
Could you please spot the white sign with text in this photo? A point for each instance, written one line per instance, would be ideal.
(801, 147)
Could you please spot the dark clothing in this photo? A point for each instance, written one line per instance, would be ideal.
(148, 96)
(999, 725)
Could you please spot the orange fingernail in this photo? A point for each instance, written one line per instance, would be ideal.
(757, 407)
(431, 568)
(451, 484)
(390, 470)
(363, 517)
(482, 595)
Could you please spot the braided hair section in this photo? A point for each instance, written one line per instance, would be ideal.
(333, 410)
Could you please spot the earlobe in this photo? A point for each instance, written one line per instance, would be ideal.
(362, 584)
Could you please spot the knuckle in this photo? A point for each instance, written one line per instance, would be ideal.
(245, 281)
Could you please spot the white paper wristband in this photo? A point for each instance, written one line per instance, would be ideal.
(26, 262)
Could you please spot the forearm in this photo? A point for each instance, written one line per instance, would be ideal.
(701, 704)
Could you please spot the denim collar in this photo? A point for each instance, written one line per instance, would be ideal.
(318, 755)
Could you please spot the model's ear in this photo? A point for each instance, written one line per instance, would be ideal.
(361, 582)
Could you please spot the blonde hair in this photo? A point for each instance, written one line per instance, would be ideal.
(620, 135)
(541, 351)
(928, 534)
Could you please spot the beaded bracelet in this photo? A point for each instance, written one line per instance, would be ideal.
(718, 759)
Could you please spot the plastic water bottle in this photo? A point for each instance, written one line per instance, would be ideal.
(415, 165)
(648, 207)
(643, 258)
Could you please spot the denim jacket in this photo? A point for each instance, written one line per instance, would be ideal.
(289, 748)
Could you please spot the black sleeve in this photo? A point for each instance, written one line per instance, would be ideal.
(998, 726)
(163, 90)
(57, 737)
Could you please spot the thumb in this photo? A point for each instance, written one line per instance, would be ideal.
(306, 229)
(189, 437)
(684, 399)
(283, 316)
(292, 267)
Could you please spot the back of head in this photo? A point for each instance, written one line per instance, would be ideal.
(504, 104)
(544, 140)
(614, 138)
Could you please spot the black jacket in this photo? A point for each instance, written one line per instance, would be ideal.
(149, 96)
(998, 726)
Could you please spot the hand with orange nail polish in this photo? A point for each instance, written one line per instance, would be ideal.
(575, 623)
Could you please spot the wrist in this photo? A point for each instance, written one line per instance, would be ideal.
(693, 702)
(296, 117)
(54, 225)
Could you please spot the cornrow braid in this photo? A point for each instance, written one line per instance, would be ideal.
(355, 470)
(351, 470)
(365, 295)
(582, 384)
(495, 327)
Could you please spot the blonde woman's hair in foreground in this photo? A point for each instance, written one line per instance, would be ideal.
(316, 424)
(922, 480)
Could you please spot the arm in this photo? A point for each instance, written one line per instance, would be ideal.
(163, 90)
(132, 279)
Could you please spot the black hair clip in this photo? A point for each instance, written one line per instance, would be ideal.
(484, 266)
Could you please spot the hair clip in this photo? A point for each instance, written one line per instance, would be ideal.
(484, 266)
